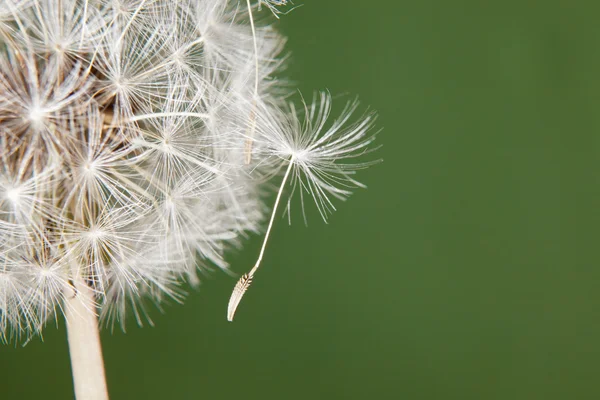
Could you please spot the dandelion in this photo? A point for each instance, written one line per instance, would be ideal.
(137, 138)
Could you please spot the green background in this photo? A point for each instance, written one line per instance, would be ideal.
(468, 269)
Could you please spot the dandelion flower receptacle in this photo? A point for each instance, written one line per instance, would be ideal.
(136, 140)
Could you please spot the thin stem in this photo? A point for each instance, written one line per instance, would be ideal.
(84, 343)
(255, 47)
(264, 245)
(244, 282)
(250, 140)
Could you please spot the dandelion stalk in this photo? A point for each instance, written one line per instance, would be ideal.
(85, 350)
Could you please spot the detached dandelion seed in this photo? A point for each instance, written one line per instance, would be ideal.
(318, 161)
(136, 140)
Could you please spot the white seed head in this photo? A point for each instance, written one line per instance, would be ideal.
(136, 141)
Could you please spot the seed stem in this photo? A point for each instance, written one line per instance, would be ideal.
(85, 350)
(244, 282)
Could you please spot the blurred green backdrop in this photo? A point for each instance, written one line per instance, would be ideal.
(468, 269)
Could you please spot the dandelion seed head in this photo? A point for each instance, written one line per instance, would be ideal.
(137, 142)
